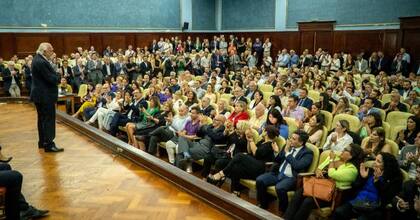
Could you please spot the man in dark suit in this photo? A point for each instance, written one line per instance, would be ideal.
(238, 95)
(217, 60)
(17, 207)
(145, 66)
(154, 47)
(11, 80)
(399, 66)
(44, 93)
(108, 69)
(382, 62)
(292, 160)
(407, 203)
(304, 101)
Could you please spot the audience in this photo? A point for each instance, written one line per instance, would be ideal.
(376, 187)
(207, 85)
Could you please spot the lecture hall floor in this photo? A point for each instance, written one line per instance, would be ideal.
(86, 181)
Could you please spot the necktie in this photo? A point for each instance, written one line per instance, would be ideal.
(300, 102)
(284, 165)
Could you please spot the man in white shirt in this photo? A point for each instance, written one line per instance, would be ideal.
(166, 133)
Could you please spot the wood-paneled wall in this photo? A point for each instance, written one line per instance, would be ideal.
(311, 38)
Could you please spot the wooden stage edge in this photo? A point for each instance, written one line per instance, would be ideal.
(220, 199)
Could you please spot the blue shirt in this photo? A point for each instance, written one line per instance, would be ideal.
(369, 193)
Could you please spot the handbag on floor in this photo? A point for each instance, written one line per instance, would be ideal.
(317, 188)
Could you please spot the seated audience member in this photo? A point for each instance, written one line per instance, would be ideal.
(275, 118)
(257, 120)
(251, 165)
(409, 134)
(376, 187)
(146, 119)
(16, 206)
(177, 100)
(220, 156)
(367, 108)
(314, 128)
(409, 157)
(131, 114)
(324, 99)
(256, 99)
(89, 101)
(370, 121)
(112, 106)
(274, 103)
(376, 144)
(341, 107)
(225, 89)
(143, 134)
(238, 96)
(304, 101)
(64, 88)
(206, 108)
(165, 95)
(295, 158)
(166, 133)
(240, 113)
(395, 104)
(407, 203)
(339, 138)
(293, 110)
(406, 88)
(212, 135)
(191, 99)
(314, 110)
(412, 98)
(210, 94)
(221, 109)
(343, 171)
(374, 95)
(189, 131)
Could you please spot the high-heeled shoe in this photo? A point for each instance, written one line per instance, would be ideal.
(216, 182)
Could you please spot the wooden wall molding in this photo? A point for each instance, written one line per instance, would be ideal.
(310, 36)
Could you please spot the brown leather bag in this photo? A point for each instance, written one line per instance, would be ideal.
(323, 189)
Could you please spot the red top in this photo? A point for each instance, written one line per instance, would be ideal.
(235, 117)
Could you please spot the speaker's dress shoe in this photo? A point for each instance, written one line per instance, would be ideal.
(53, 149)
(33, 213)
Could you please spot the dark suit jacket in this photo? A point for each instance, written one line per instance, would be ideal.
(44, 81)
(403, 69)
(214, 135)
(383, 65)
(408, 193)
(214, 45)
(112, 69)
(307, 103)
(300, 163)
(7, 77)
(69, 71)
(143, 68)
(207, 111)
(216, 61)
(242, 98)
(153, 48)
